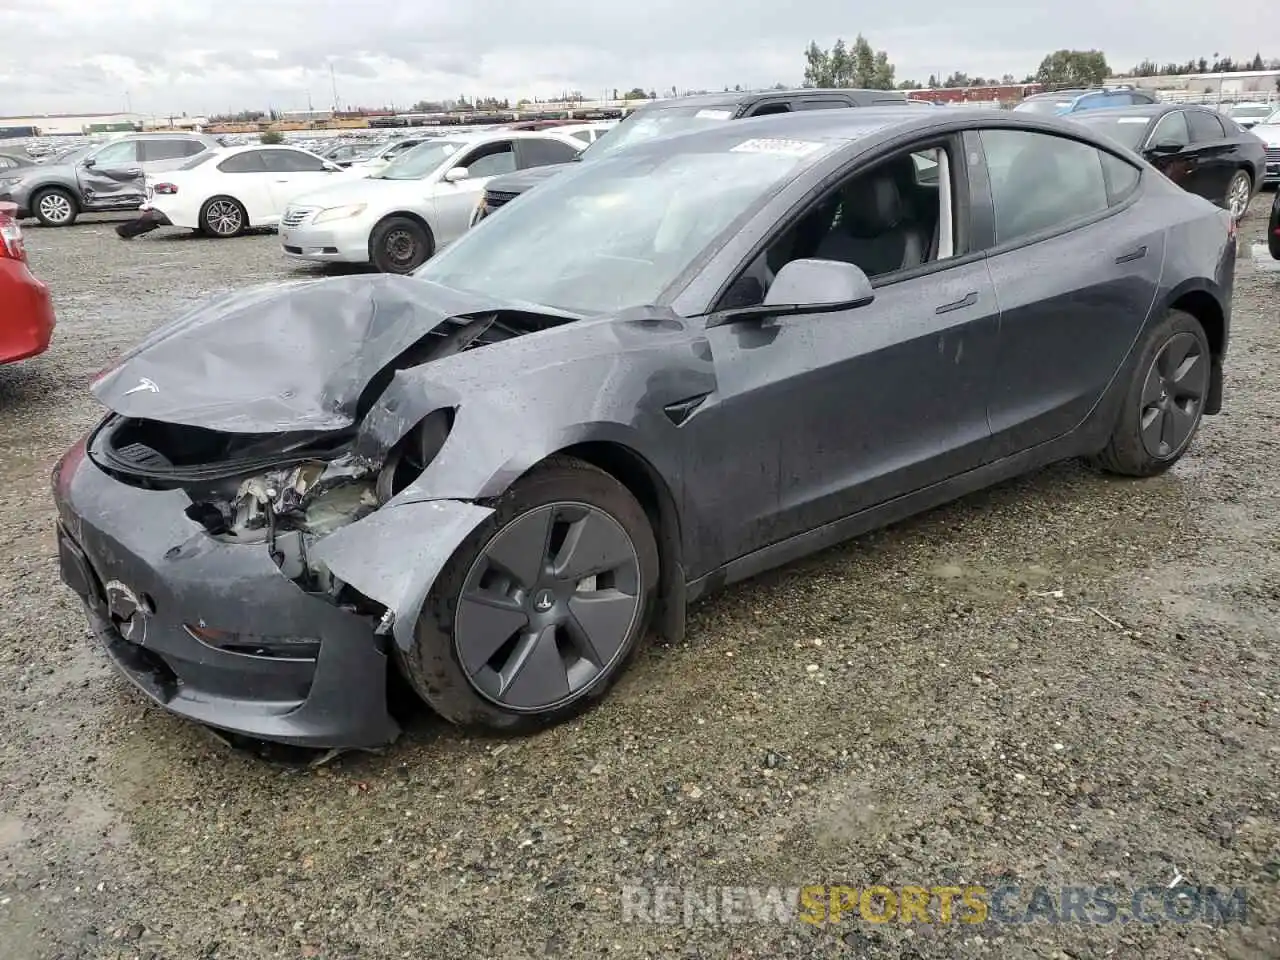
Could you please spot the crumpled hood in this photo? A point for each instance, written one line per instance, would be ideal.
(284, 357)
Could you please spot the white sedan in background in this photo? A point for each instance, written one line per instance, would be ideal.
(222, 193)
(422, 201)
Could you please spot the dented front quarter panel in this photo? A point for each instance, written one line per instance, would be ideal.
(520, 401)
(395, 555)
(515, 403)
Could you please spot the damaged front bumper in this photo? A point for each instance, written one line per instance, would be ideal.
(216, 631)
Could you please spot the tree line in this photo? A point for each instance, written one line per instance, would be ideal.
(859, 65)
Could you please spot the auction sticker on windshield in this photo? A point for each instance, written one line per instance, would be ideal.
(713, 114)
(1133, 120)
(791, 148)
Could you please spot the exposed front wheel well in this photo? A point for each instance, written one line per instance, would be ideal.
(648, 487)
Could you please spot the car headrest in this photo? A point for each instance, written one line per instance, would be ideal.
(872, 204)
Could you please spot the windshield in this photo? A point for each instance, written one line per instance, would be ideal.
(657, 122)
(1128, 130)
(1044, 106)
(71, 156)
(617, 233)
(418, 162)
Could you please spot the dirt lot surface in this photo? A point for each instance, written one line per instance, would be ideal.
(1068, 680)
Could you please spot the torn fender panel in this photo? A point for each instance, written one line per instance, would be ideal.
(515, 404)
(395, 555)
(284, 357)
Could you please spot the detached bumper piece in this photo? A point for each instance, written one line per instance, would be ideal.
(150, 220)
(214, 631)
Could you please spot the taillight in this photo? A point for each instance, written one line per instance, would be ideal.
(11, 239)
(168, 189)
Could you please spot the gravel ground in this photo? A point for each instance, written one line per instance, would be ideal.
(919, 707)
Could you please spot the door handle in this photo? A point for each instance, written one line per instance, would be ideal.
(1136, 254)
(968, 300)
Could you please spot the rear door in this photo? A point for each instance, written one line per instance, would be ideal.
(1076, 264)
(292, 173)
(1214, 155)
(112, 176)
(454, 202)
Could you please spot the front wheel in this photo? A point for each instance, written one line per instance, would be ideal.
(55, 207)
(1239, 191)
(1165, 400)
(537, 612)
(399, 245)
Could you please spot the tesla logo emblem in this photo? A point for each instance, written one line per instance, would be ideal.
(145, 385)
(544, 601)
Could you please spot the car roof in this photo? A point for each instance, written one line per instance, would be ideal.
(740, 98)
(246, 147)
(879, 122)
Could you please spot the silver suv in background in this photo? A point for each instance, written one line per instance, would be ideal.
(103, 177)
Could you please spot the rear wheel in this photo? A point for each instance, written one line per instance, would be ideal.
(55, 207)
(1165, 400)
(537, 612)
(400, 245)
(223, 217)
(1239, 191)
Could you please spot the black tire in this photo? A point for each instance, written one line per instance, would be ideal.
(1126, 452)
(48, 206)
(433, 665)
(1273, 227)
(400, 245)
(223, 217)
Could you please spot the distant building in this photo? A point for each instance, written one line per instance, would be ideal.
(990, 93)
(1245, 84)
(63, 124)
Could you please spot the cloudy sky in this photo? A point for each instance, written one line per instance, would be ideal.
(163, 56)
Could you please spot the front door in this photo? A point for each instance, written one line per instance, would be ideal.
(455, 201)
(1168, 149)
(112, 176)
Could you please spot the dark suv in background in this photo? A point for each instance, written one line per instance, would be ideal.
(685, 113)
(107, 176)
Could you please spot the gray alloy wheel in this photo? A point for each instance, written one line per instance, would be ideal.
(1238, 192)
(1164, 400)
(548, 606)
(55, 208)
(223, 217)
(1173, 396)
(538, 610)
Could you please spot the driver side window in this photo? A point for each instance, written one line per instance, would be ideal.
(490, 160)
(1172, 128)
(117, 154)
(896, 215)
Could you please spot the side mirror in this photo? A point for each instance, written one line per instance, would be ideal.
(1165, 148)
(88, 162)
(454, 174)
(819, 284)
(804, 286)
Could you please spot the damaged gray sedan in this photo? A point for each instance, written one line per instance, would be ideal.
(650, 377)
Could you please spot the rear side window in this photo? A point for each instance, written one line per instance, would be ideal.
(169, 149)
(248, 162)
(1121, 176)
(541, 152)
(1204, 126)
(1040, 182)
(290, 161)
(765, 109)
